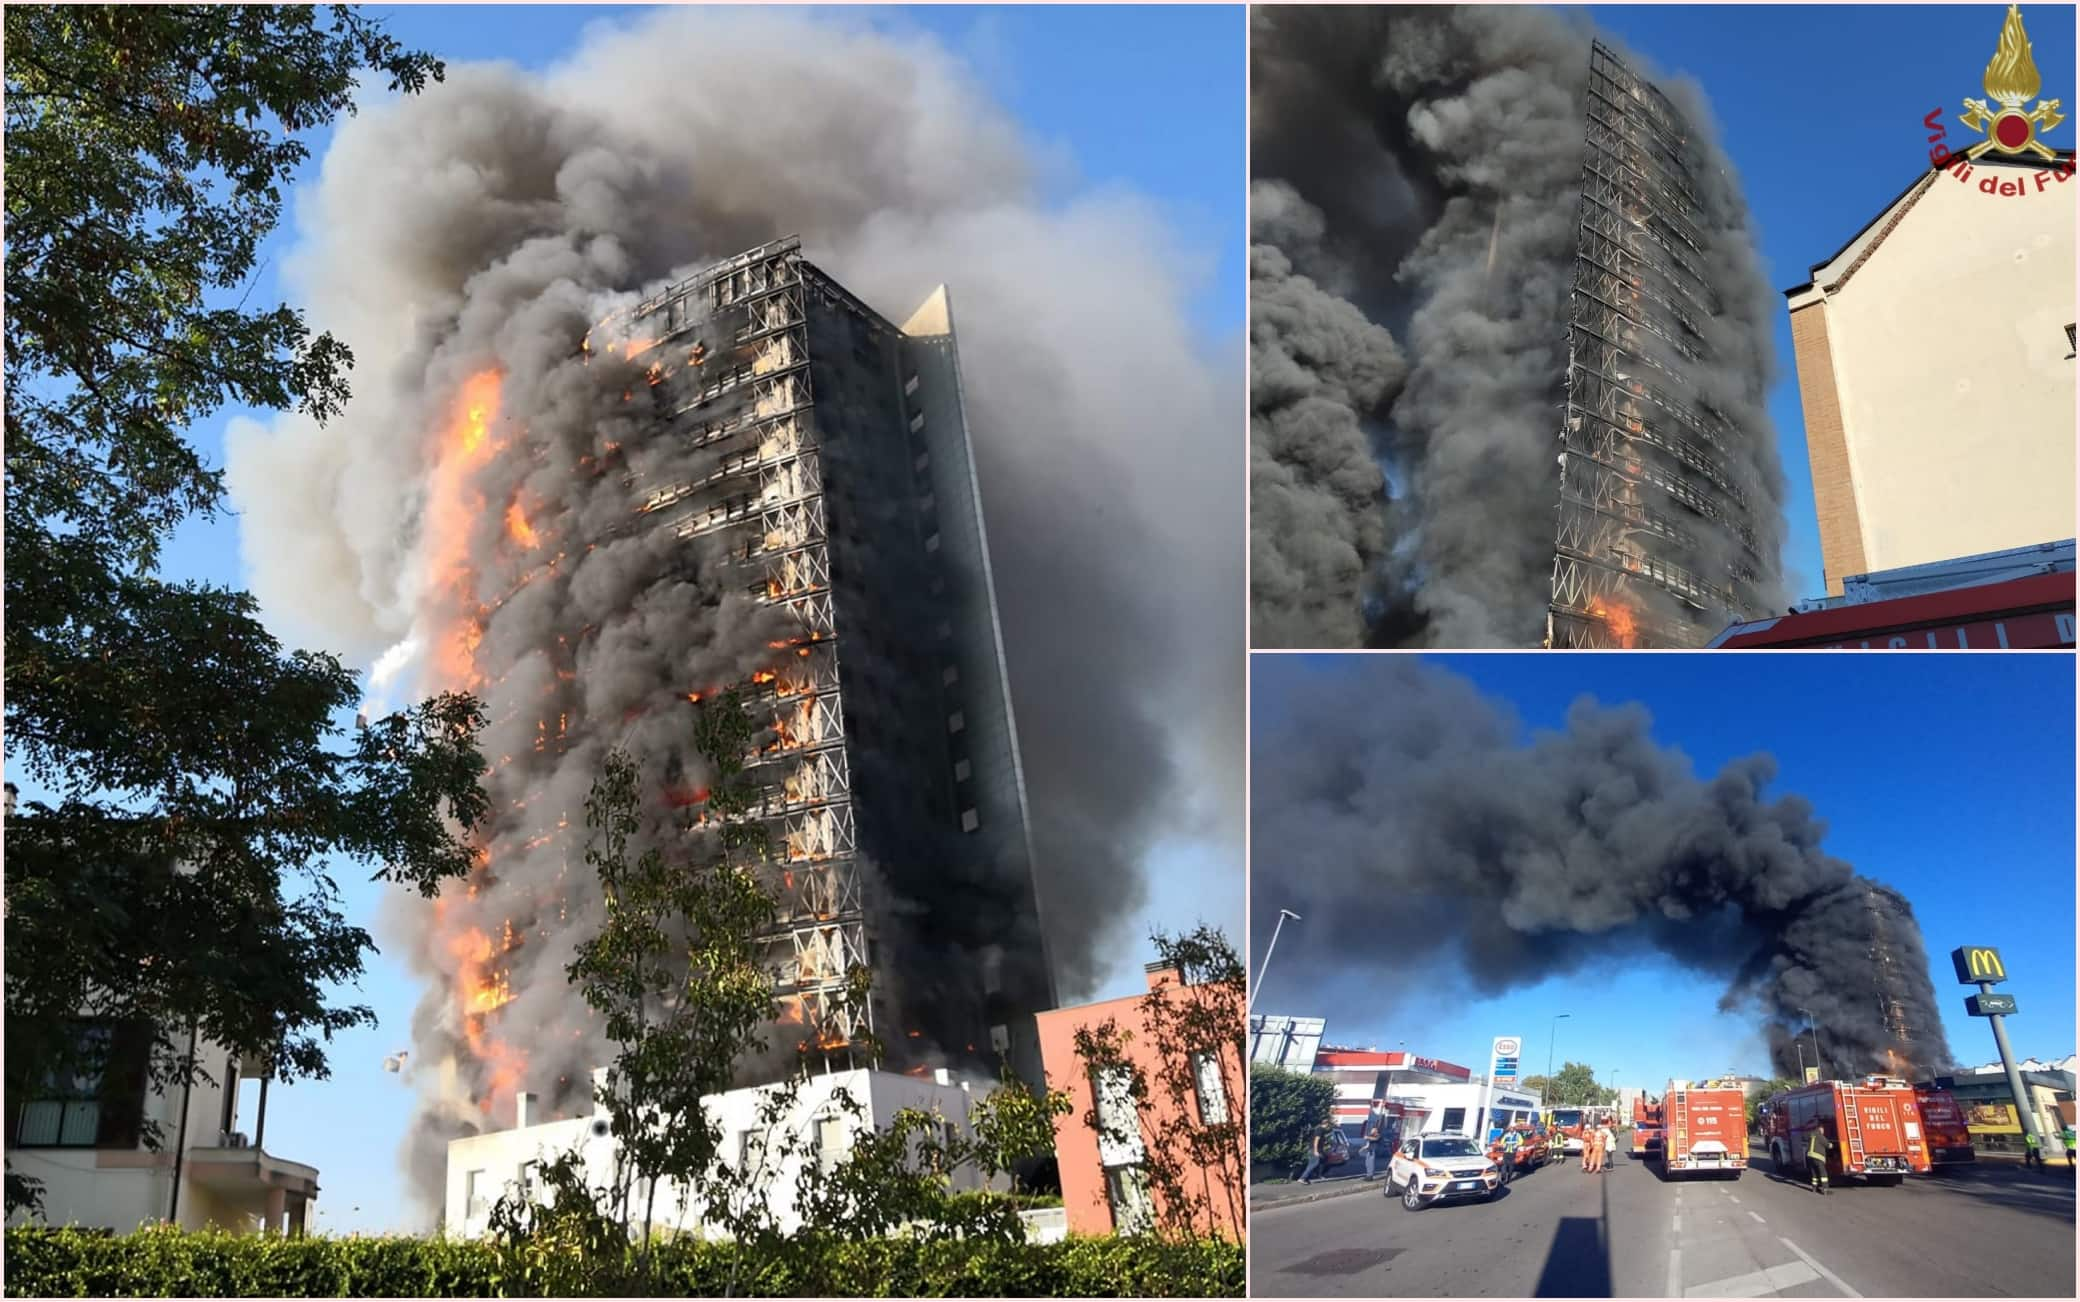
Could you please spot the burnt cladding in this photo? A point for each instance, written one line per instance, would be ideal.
(894, 792)
(1656, 540)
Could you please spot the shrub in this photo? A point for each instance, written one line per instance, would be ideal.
(168, 1263)
(1284, 1108)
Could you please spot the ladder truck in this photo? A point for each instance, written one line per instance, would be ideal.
(1873, 1129)
(1704, 1128)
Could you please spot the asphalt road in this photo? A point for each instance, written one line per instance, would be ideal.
(1984, 1231)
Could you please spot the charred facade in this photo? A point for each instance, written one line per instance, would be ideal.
(1657, 536)
(888, 767)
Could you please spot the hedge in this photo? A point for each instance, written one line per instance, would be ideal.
(167, 1263)
(1285, 1107)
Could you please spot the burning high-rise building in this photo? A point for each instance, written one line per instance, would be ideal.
(1477, 231)
(1656, 544)
(841, 486)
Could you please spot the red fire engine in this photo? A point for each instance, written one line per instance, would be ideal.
(1704, 1128)
(1943, 1125)
(1646, 1126)
(1873, 1128)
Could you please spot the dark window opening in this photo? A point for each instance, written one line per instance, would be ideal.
(97, 1099)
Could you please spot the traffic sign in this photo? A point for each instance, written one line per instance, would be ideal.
(1988, 1005)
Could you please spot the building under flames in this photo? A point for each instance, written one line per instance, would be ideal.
(846, 492)
(820, 462)
(1657, 533)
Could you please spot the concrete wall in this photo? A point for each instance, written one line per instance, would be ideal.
(1943, 347)
(498, 1156)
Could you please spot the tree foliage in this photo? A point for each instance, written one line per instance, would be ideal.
(198, 781)
(1285, 1108)
(1573, 1086)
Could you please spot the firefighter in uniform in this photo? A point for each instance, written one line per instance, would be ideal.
(1816, 1160)
(2032, 1155)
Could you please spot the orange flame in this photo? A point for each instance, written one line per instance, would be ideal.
(1619, 619)
(517, 527)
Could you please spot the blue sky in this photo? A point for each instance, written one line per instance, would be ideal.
(1950, 777)
(1083, 85)
(1820, 107)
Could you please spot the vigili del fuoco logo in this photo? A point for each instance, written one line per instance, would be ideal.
(2001, 120)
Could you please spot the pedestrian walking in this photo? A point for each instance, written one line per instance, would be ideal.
(2031, 1155)
(1314, 1154)
(1375, 1134)
(1816, 1160)
(1606, 1145)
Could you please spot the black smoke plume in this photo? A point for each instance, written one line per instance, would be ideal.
(490, 224)
(1396, 810)
(1416, 178)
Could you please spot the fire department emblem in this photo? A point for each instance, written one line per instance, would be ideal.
(2011, 82)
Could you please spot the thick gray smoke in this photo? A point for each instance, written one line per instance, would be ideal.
(1396, 810)
(492, 221)
(1417, 177)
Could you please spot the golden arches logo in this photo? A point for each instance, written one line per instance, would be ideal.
(1984, 964)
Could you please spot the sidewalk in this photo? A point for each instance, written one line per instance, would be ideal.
(1292, 1191)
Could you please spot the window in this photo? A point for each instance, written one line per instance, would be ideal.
(2069, 343)
(96, 1100)
(833, 1141)
(1206, 1083)
(970, 820)
(1119, 1122)
(917, 422)
(1454, 1119)
(473, 1196)
(1126, 1189)
(956, 722)
(910, 385)
(530, 1180)
(962, 771)
(950, 675)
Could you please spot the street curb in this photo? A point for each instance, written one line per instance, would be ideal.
(1354, 1185)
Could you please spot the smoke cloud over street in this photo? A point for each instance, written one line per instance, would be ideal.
(1417, 173)
(1397, 810)
(471, 511)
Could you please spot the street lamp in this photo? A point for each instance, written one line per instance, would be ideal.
(1814, 1027)
(1551, 1035)
(1258, 988)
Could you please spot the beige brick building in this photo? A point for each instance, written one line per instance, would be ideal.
(1935, 366)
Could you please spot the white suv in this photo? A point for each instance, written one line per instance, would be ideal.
(1440, 1168)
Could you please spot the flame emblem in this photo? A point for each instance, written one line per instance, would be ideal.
(2011, 81)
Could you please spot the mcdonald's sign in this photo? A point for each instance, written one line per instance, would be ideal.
(1976, 963)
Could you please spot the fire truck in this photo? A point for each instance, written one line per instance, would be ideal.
(1873, 1128)
(1704, 1127)
(1566, 1126)
(1943, 1125)
(1646, 1127)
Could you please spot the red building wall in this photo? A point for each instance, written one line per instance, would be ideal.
(1076, 1142)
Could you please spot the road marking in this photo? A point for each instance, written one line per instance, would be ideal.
(1825, 1273)
(1675, 1272)
(1735, 1197)
(1756, 1283)
(1758, 1218)
(1679, 1223)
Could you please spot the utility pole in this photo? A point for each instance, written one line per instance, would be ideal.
(1551, 1034)
(1812, 1025)
(1254, 990)
(2023, 1112)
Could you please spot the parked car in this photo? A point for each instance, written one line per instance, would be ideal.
(1431, 1169)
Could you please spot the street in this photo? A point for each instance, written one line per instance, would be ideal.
(1986, 1230)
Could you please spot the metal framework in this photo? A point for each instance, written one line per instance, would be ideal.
(1653, 544)
(746, 391)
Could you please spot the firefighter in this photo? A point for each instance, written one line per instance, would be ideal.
(2069, 1145)
(2032, 1156)
(1512, 1140)
(1816, 1159)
